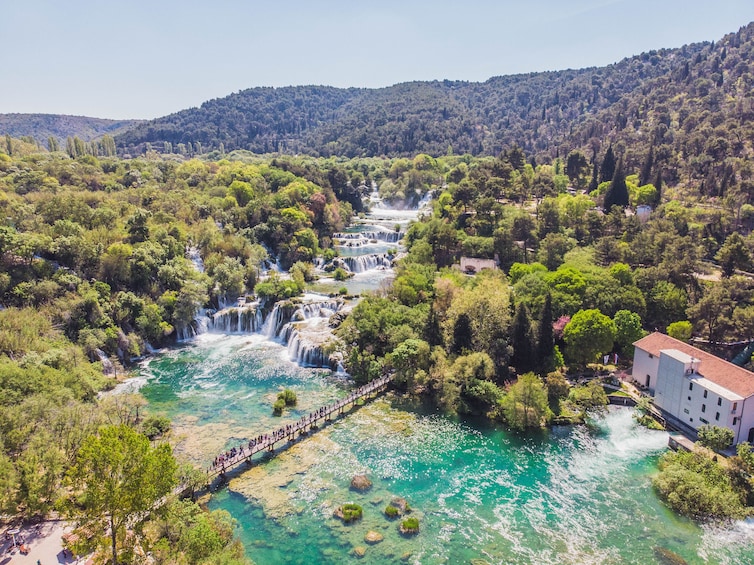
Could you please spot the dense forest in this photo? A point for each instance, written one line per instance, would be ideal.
(691, 105)
(41, 127)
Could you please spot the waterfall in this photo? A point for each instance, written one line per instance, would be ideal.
(304, 329)
(246, 318)
(108, 368)
(359, 239)
(363, 263)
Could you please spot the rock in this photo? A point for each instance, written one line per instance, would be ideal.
(665, 556)
(479, 562)
(400, 504)
(359, 551)
(361, 483)
(406, 556)
(373, 537)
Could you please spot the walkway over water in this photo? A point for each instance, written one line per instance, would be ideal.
(287, 433)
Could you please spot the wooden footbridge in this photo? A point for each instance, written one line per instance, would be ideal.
(289, 432)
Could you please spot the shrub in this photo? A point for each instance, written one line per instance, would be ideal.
(342, 291)
(288, 397)
(351, 512)
(340, 274)
(391, 511)
(277, 407)
(697, 487)
(410, 526)
(155, 426)
(716, 438)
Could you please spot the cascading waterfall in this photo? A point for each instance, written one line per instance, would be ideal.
(360, 239)
(304, 329)
(237, 319)
(363, 263)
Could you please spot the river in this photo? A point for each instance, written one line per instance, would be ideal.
(570, 495)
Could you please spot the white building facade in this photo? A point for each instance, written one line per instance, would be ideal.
(695, 387)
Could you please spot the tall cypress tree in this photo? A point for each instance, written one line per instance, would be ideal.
(646, 168)
(524, 349)
(594, 183)
(545, 337)
(617, 192)
(607, 169)
(658, 186)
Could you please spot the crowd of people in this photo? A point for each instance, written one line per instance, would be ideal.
(267, 441)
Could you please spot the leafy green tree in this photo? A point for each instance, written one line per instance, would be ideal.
(409, 358)
(713, 314)
(590, 397)
(525, 404)
(734, 255)
(715, 438)
(628, 329)
(589, 334)
(119, 478)
(680, 330)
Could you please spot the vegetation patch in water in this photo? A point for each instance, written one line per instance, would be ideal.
(349, 513)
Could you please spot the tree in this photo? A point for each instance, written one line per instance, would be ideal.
(715, 438)
(680, 330)
(409, 359)
(576, 165)
(733, 255)
(590, 397)
(646, 168)
(120, 478)
(589, 333)
(617, 192)
(607, 169)
(523, 343)
(545, 336)
(627, 330)
(525, 404)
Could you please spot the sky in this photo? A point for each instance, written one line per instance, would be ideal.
(141, 59)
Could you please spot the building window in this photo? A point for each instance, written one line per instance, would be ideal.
(735, 421)
(651, 356)
(703, 421)
(719, 401)
(691, 386)
(689, 398)
(704, 407)
(717, 416)
(685, 410)
(705, 394)
(735, 405)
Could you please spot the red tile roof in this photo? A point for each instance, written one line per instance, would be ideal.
(732, 377)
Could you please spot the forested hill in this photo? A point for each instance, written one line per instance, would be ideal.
(41, 127)
(653, 97)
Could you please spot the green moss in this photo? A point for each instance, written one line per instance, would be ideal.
(410, 526)
(391, 511)
(351, 512)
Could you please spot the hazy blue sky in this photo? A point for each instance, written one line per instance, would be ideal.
(148, 58)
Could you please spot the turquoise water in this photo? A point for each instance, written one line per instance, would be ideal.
(570, 495)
